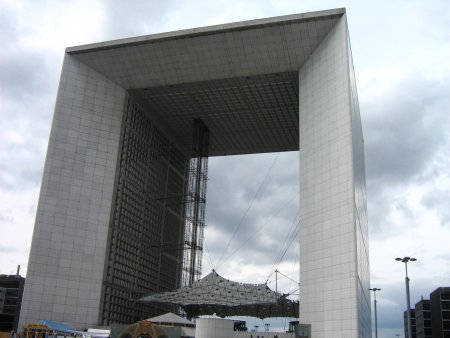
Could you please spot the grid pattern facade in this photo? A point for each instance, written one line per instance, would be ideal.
(147, 223)
(195, 205)
(413, 323)
(332, 195)
(360, 206)
(423, 319)
(67, 256)
(243, 114)
(11, 290)
(440, 312)
(208, 53)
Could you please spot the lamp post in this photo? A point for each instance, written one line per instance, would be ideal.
(375, 307)
(408, 309)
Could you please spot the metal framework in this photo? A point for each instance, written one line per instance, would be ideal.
(156, 231)
(195, 206)
(215, 294)
(147, 224)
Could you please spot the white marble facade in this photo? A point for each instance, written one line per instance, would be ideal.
(69, 248)
(65, 269)
(328, 261)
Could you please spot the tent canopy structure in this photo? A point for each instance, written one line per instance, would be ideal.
(47, 328)
(171, 319)
(214, 294)
(143, 328)
(57, 326)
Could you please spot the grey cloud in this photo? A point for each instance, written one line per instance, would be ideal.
(28, 92)
(22, 161)
(403, 135)
(242, 176)
(8, 249)
(379, 203)
(25, 74)
(265, 246)
(127, 19)
(232, 186)
(6, 219)
(438, 200)
(24, 71)
(405, 139)
(24, 178)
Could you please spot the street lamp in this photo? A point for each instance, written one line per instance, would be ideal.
(408, 309)
(375, 307)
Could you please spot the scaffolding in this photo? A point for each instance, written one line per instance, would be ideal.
(155, 240)
(195, 204)
(146, 234)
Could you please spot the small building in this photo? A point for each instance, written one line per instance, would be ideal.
(440, 312)
(174, 325)
(431, 318)
(11, 291)
(413, 323)
(423, 319)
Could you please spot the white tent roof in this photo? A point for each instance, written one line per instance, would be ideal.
(170, 318)
(214, 289)
(215, 294)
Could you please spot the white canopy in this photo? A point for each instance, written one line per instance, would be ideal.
(171, 319)
(215, 294)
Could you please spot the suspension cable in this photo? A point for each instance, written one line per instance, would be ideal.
(287, 277)
(293, 270)
(248, 209)
(292, 240)
(290, 278)
(289, 235)
(262, 227)
(208, 256)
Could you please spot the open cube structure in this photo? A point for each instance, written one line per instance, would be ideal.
(112, 218)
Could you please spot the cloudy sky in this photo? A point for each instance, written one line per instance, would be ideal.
(400, 50)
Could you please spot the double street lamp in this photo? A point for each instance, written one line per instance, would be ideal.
(408, 309)
(375, 308)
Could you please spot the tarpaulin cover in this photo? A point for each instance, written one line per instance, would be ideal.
(58, 326)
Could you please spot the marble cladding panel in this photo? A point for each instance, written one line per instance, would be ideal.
(70, 236)
(328, 263)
